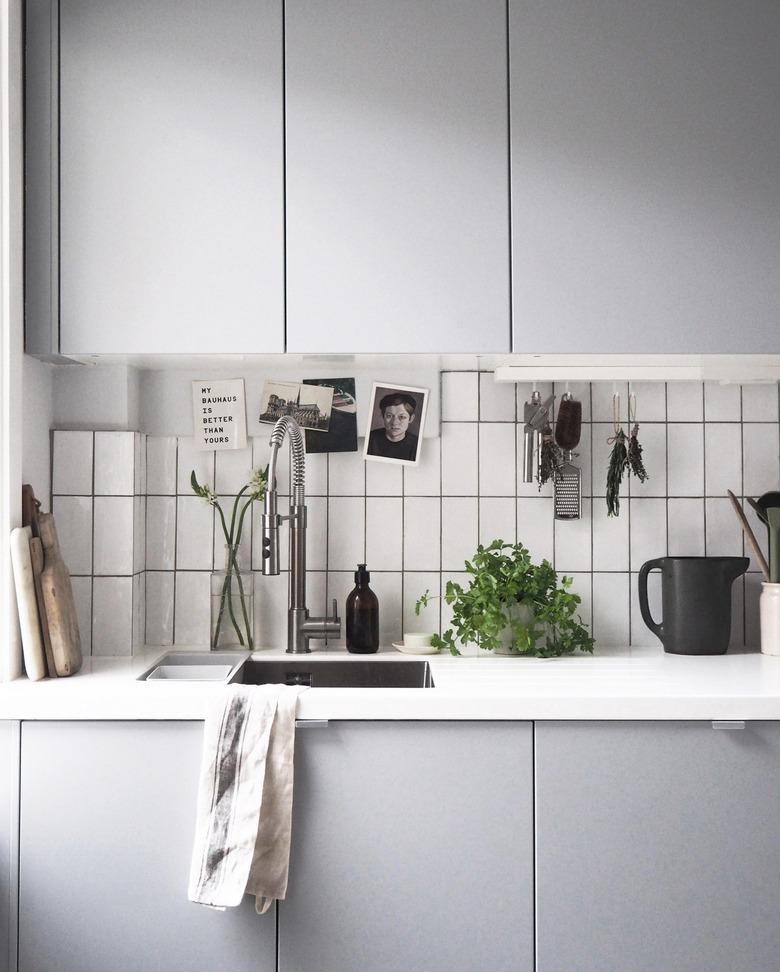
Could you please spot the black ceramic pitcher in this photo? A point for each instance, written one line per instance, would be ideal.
(695, 600)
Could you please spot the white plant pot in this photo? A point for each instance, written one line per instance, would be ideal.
(769, 607)
(522, 613)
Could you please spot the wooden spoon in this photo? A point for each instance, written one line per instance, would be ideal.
(749, 535)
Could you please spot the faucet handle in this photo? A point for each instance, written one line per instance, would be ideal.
(335, 615)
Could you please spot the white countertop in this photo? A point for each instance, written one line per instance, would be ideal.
(620, 684)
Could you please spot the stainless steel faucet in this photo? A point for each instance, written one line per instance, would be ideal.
(300, 627)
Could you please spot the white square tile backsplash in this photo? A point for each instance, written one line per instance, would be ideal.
(115, 463)
(685, 459)
(416, 526)
(112, 615)
(535, 526)
(384, 532)
(460, 396)
(73, 515)
(684, 401)
(459, 530)
(161, 465)
(421, 537)
(497, 519)
(722, 403)
(759, 403)
(459, 459)
(723, 458)
(112, 542)
(497, 399)
(194, 534)
(160, 532)
(72, 463)
(497, 461)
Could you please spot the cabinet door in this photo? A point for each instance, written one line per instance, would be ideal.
(9, 792)
(397, 189)
(171, 176)
(107, 824)
(658, 847)
(645, 160)
(412, 848)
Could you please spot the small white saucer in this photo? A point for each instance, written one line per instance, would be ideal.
(408, 650)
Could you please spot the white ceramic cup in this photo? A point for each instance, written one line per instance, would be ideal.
(417, 639)
(769, 606)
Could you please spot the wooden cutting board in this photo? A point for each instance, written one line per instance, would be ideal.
(29, 621)
(36, 557)
(58, 601)
(30, 508)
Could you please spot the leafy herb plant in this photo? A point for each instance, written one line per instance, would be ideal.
(503, 578)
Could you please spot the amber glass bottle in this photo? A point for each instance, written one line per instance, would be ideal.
(362, 616)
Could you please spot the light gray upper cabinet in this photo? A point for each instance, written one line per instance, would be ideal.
(9, 791)
(108, 819)
(171, 176)
(397, 186)
(645, 175)
(658, 847)
(412, 848)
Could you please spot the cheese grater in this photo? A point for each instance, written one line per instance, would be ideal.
(568, 490)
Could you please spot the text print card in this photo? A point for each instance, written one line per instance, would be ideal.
(219, 414)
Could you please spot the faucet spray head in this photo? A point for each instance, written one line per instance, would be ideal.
(270, 532)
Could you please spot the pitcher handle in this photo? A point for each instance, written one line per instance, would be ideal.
(644, 607)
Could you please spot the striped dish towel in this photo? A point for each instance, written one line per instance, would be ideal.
(242, 832)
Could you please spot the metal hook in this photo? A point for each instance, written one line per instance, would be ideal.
(616, 412)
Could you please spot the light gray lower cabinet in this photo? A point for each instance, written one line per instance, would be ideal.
(107, 822)
(658, 847)
(9, 792)
(412, 849)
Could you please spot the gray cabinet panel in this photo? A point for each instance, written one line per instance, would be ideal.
(107, 823)
(9, 794)
(658, 847)
(412, 848)
(397, 187)
(171, 176)
(645, 187)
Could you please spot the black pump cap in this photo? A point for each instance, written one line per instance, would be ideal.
(362, 576)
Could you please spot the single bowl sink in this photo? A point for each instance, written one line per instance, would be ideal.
(194, 666)
(326, 673)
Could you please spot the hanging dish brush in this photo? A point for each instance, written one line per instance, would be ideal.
(568, 477)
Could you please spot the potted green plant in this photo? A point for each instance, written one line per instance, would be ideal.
(512, 605)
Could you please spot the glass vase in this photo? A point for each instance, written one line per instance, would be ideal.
(232, 604)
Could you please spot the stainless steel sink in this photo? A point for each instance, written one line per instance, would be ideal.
(327, 673)
(194, 666)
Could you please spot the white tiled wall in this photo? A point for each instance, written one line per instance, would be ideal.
(415, 527)
(99, 504)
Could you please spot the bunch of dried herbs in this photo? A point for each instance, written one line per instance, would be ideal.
(618, 464)
(635, 463)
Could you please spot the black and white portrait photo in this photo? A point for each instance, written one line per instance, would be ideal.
(395, 424)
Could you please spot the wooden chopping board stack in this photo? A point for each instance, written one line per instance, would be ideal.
(47, 611)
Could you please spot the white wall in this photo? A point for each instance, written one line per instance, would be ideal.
(37, 421)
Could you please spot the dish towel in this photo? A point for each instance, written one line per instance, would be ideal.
(242, 832)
